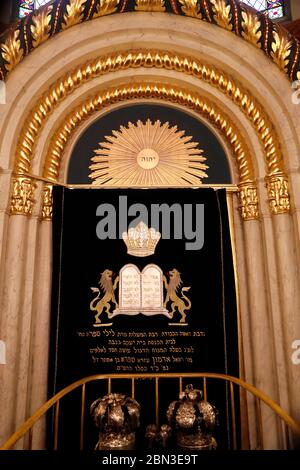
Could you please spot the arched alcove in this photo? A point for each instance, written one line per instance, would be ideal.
(68, 84)
(78, 169)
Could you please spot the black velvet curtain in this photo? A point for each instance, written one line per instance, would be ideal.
(141, 344)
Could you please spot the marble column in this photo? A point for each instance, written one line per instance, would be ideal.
(5, 182)
(246, 369)
(272, 279)
(40, 332)
(289, 292)
(12, 322)
(261, 331)
(27, 322)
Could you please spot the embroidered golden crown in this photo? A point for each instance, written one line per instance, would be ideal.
(141, 240)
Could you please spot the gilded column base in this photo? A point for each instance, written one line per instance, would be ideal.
(278, 193)
(248, 201)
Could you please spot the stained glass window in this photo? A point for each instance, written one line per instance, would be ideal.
(273, 8)
(27, 6)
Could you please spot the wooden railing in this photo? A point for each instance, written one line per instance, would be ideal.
(291, 427)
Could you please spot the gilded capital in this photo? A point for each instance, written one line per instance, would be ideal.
(47, 202)
(278, 193)
(22, 199)
(248, 201)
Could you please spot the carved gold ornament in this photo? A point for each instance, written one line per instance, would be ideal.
(222, 14)
(281, 50)
(47, 202)
(11, 50)
(22, 199)
(150, 154)
(180, 96)
(248, 201)
(191, 8)
(164, 92)
(121, 61)
(150, 5)
(216, 78)
(40, 29)
(233, 15)
(278, 192)
(251, 28)
(106, 7)
(74, 13)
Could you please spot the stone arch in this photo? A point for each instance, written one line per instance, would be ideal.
(159, 59)
(203, 107)
(268, 312)
(157, 91)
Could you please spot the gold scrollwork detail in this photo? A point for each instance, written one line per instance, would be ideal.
(40, 29)
(150, 5)
(47, 202)
(22, 199)
(222, 14)
(191, 8)
(248, 201)
(251, 26)
(11, 49)
(281, 49)
(106, 7)
(74, 13)
(278, 193)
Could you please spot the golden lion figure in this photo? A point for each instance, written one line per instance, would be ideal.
(98, 304)
(172, 287)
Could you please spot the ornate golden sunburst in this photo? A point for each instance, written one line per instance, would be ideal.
(148, 154)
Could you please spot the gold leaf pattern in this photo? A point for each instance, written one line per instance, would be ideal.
(281, 50)
(11, 50)
(251, 26)
(74, 14)
(40, 28)
(191, 8)
(222, 14)
(106, 7)
(150, 5)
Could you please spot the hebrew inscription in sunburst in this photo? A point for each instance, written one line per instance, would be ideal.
(148, 154)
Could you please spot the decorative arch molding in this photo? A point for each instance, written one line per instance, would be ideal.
(55, 17)
(248, 197)
(144, 90)
(276, 179)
